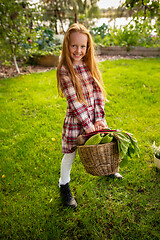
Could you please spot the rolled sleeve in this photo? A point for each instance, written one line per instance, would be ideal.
(99, 103)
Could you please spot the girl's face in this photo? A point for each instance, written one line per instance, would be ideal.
(77, 46)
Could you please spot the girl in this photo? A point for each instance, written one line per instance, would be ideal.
(79, 80)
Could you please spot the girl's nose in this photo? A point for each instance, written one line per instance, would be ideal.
(78, 49)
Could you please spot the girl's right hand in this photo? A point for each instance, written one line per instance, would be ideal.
(91, 129)
(100, 125)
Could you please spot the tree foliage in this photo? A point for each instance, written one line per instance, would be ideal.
(144, 8)
(60, 10)
(16, 19)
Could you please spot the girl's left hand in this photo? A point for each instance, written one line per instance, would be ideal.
(100, 125)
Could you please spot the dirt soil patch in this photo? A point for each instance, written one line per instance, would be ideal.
(6, 72)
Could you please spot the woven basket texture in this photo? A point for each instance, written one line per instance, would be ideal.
(100, 160)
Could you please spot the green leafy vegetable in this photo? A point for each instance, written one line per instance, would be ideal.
(127, 144)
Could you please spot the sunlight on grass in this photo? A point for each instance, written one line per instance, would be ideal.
(31, 123)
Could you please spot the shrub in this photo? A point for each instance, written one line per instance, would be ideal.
(136, 33)
(42, 41)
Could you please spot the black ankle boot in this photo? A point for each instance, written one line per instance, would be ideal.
(116, 175)
(67, 197)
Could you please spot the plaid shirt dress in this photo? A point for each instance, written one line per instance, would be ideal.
(80, 116)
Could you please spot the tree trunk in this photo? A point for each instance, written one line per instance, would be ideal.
(15, 63)
(75, 18)
(56, 26)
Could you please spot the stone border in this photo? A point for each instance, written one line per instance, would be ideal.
(133, 51)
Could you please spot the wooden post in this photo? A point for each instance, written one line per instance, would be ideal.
(75, 19)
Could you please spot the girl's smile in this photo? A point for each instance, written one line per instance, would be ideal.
(77, 46)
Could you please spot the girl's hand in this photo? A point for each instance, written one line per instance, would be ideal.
(100, 125)
(91, 129)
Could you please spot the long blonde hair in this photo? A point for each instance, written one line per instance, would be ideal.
(89, 59)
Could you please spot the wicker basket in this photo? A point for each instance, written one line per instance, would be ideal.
(100, 160)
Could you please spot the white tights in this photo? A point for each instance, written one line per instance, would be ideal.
(66, 165)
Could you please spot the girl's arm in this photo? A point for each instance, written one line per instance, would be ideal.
(99, 103)
(80, 109)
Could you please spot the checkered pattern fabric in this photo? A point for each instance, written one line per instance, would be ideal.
(80, 116)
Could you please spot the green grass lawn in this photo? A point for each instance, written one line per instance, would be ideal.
(31, 119)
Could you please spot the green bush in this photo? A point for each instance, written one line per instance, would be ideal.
(134, 34)
(42, 42)
(101, 31)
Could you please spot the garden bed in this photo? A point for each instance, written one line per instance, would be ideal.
(132, 51)
(47, 60)
(11, 71)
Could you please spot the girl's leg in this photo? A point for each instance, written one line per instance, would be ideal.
(64, 180)
(66, 165)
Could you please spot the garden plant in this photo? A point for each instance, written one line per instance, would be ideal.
(136, 33)
(41, 43)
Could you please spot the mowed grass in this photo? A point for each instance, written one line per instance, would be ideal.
(31, 120)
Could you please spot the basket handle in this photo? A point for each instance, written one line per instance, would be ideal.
(84, 137)
(106, 130)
